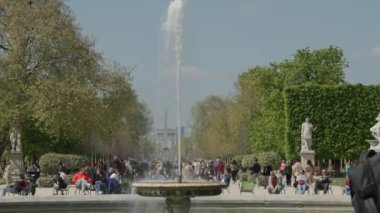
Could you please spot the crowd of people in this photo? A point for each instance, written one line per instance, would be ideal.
(108, 178)
(289, 174)
(26, 184)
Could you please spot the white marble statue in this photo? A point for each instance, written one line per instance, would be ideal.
(306, 135)
(375, 130)
(15, 138)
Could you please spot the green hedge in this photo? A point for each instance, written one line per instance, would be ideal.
(238, 158)
(266, 158)
(247, 160)
(49, 162)
(45, 182)
(245, 176)
(341, 114)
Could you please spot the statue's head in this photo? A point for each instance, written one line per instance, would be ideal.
(378, 117)
(307, 119)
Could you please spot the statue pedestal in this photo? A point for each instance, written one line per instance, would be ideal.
(374, 145)
(307, 155)
(17, 163)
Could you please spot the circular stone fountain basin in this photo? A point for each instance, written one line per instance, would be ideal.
(175, 189)
(177, 194)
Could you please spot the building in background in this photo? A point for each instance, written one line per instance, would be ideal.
(166, 142)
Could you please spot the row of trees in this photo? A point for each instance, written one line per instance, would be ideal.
(58, 90)
(253, 120)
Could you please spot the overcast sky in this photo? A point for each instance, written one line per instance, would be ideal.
(223, 38)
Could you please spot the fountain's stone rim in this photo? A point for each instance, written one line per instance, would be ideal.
(177, 190)
(167, 184)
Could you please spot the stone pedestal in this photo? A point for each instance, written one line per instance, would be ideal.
(17, 163)
(374, 145)
(307, 155)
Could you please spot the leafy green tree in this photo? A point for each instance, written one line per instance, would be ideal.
(264, 114)
(256, 114)
(321, 66)
(55, 85)
(202, 113)
(266, 84)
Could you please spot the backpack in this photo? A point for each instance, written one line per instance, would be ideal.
(365, 183)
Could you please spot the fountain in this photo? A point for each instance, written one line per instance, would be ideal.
(178, 193)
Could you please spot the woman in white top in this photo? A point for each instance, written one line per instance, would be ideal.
(115, 175)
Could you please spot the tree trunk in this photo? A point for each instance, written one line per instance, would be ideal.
(4, 142)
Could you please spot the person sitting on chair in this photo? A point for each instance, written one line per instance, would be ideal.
(274, 184)
(323, 183)
(59, 184)
(82, 181)
(100, 182)
(19, 187)
(113, 183)
(301, 183)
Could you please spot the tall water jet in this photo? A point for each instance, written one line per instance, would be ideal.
(173, 29)
(177, 194)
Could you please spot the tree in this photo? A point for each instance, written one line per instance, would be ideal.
(322, 66)
(266, 85)
(264, 108)
(202, 112)
(52, 81)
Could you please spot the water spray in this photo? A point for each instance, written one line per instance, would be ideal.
(173, 29)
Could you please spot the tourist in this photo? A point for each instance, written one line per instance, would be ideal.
(227, 177)
(234, 170)
(196, 166)
(33, 172)
(59, 184)
(297, 168)
(346, 187)
(114, 186)
(266, 172)
(60, 167)
(21, 186)
(188, 171)
(82, 181)
(347, 167)
(274, 184)
(115, 175)
(301, 183)
(309, 171)
(219, 169)
(100, 185)
(323, 183)
(288, 173)
(255, 171)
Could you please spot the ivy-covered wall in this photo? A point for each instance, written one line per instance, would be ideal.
(342, 116)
